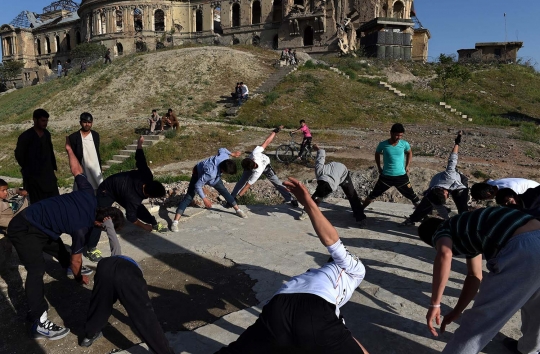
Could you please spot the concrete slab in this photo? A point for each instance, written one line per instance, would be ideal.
(386, 313)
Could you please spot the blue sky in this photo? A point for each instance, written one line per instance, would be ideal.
(454, 24)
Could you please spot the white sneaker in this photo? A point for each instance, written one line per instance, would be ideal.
(303, 216)
(241, 214)
(48, 330)
(174, 227)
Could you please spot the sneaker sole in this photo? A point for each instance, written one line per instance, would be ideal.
(91, 342)
(41, 336)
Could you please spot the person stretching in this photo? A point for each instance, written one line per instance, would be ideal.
(258, 164)
(208, 172)
(488, 190)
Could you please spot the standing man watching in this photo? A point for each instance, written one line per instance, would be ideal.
(208, 172)
(397, 157)
(37, 229)
(85, 145)
(35, 155)
(258, 164)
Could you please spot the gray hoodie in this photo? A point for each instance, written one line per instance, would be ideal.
(450, 178)
(334, 173)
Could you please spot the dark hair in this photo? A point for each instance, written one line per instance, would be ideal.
(241, 82)
(40, 113)
(228, 166)
(154, 111)
(482, 191)
(503, 194)
(86, 117)
(436, 196)
(248, 164)
(427, 229)
(115, 214)
(169, 110)
(3, 183)
(154, 189)
(323, 189)
(302, 121)
(397, 128)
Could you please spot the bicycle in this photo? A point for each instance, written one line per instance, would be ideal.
(288, 153)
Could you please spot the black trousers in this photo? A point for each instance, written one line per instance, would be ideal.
(30, 243)
(296, 324)
(460, 198)
(105, 199)
(352, 196)
(305, 142)
(40, 188)
(119, 279)
(402, 184)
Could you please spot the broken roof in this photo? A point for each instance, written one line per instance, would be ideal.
(28, 19)
(497, 44)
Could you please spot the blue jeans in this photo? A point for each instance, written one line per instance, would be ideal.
(272, 177)
(190, 194)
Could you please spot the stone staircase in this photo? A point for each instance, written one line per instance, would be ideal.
(390, 88)
(149, 140)
(455, 111)
(273, 80)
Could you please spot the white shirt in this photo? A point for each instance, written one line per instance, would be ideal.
(335, 281)
(518, 185)
(90, 162)
(245, 90)
(261, 160)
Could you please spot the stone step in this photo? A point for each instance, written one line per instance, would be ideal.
(131, 147)
(154, 137)
(453, 110)
(113, 162)
(442, 103)
(447, 107)
(397, 92)
(464, 116)
(402, 95)
(120, 158)
(469, 119)
(145, 143)
(127, 152)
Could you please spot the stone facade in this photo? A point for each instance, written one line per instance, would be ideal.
(491, 51)
(128, 26)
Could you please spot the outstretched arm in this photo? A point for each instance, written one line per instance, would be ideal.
(271, 137)
(76, 168)
(326, 232)
(452, 160)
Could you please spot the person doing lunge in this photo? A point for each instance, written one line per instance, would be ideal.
(397, 157)
(443, 185)
(304, 315)
(208, 172)
(258, 164)
(509, 240)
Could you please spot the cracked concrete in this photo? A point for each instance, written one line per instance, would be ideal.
(386, 313)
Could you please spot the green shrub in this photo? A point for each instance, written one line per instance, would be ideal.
(88, 51)
(270, 98)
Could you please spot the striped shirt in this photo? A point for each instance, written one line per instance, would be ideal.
(483, 231)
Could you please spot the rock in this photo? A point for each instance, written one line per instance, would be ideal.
(482, 146)
(231, 112)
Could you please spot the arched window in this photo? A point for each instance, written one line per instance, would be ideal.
(8, 46)
(57, 42)
(256, 12)
(236, 15)
(159, 21)
(47, 45)
(119, 24)
(308, 36)
(275, 42)
(119, 48)
(103, 21)
(78, 37)
(384, 12)
(277, 12)
(68, 41)
(299, 2)
(198, 21)
(91, 24)
(38, 45)
(399, 10)
(137, 19)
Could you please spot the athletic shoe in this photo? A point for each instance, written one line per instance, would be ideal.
(241, 214)
(159, 227)
(48, 330)
(361, 221)
(407, 222)
(174, 227)
(86, 342)
(94, 255)
(294, 203)
(84, 271)
(303, 216)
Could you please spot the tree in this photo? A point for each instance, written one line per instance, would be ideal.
(450, 73)
(9, 71)
(88, 51)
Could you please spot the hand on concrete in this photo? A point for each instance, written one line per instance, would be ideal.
(449, 318)
(148, 227)
(434, 313)
(298, 189)
(315, 147)
(207, 203)
(236, 154)
(140, 142)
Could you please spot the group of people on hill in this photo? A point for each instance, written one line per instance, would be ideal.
(303, 316)
(289, 56)
(168, 121)
(241, 93)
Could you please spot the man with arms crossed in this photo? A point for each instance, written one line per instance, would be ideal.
(303, 316)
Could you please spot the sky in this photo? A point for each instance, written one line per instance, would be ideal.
(454, 24)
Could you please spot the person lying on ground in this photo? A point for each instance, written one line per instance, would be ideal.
(208, 172)
(488, 190)
(304, 315)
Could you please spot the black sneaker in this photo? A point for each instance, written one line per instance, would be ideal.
(86, 342)
(48, 330)
(511, 344)
(84, 271)
(294, 203)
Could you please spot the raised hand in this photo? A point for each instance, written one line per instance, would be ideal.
(298, 189)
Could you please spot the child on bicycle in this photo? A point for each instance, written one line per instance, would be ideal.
(307, 137)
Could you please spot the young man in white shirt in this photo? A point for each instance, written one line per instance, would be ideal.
(303, 316)
(258, 164)
(488, 190)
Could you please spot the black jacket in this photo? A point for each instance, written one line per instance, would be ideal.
(35, 155)
(75, 140)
